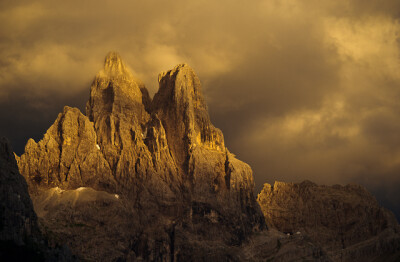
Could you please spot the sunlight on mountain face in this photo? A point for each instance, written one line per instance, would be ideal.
(296, 89)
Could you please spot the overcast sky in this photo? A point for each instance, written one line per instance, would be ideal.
(301, 89)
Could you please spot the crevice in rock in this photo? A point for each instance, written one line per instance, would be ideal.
(228, 172)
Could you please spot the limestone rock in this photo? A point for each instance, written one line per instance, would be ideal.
(68, 156)
(164, 157)
(181, 107)
(218, 182)
(116, 108)
(137, 179)
(341, 219)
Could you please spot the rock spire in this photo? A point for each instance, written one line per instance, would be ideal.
(164, 156)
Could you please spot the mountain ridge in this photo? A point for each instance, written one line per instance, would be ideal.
(338, 218)
(181, 194)
(170, 162)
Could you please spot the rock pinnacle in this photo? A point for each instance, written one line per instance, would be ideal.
(113, 63)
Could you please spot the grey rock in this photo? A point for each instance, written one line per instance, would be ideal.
(67, 156)
(346, 221)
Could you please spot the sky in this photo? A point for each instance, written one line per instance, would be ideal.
(301, 89)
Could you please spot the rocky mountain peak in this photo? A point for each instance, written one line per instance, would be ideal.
(115, 91)
(113, 64)
(183, 83)
(118, 106)
(164, 157)
(173, 191)
(180, 105)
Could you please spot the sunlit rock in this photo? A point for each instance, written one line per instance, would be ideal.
(163, 158)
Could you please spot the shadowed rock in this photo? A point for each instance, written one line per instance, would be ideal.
(20, 236)
(18, 220)
(346, 221)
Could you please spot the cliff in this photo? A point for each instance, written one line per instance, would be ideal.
(20, 235)
(17, 219)
(164, 157)
(136, 179)
(346, 221)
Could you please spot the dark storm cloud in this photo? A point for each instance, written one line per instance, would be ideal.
(301, 89)
(24, 115)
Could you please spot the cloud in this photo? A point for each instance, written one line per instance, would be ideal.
(301, 89)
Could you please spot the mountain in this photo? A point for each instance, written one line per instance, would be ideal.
(141, 179)
(346, 221)
(163, 157)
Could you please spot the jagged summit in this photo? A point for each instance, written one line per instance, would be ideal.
(180, 105)
(113, 64)
(173, 71)
(133, 137)
(173, 189)
(182, 85)
(164, 156)
(116, 91)
(112, 57)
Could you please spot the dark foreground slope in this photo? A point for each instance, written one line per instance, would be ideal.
(20, 237)
(346, 221)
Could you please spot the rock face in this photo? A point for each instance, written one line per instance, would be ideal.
(20, 236)
(346, 221)
(18, 220)
(164, 157)
(76, 216)
(94, 224)
(137, 179)
(67, 156)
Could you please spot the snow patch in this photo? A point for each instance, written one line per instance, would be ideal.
(98, 147)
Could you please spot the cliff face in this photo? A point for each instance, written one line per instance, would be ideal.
(346, 221)
(18, 220)
(96, 225)
(138, 179)
(67, 156)
(20, 235)
(163, 156)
